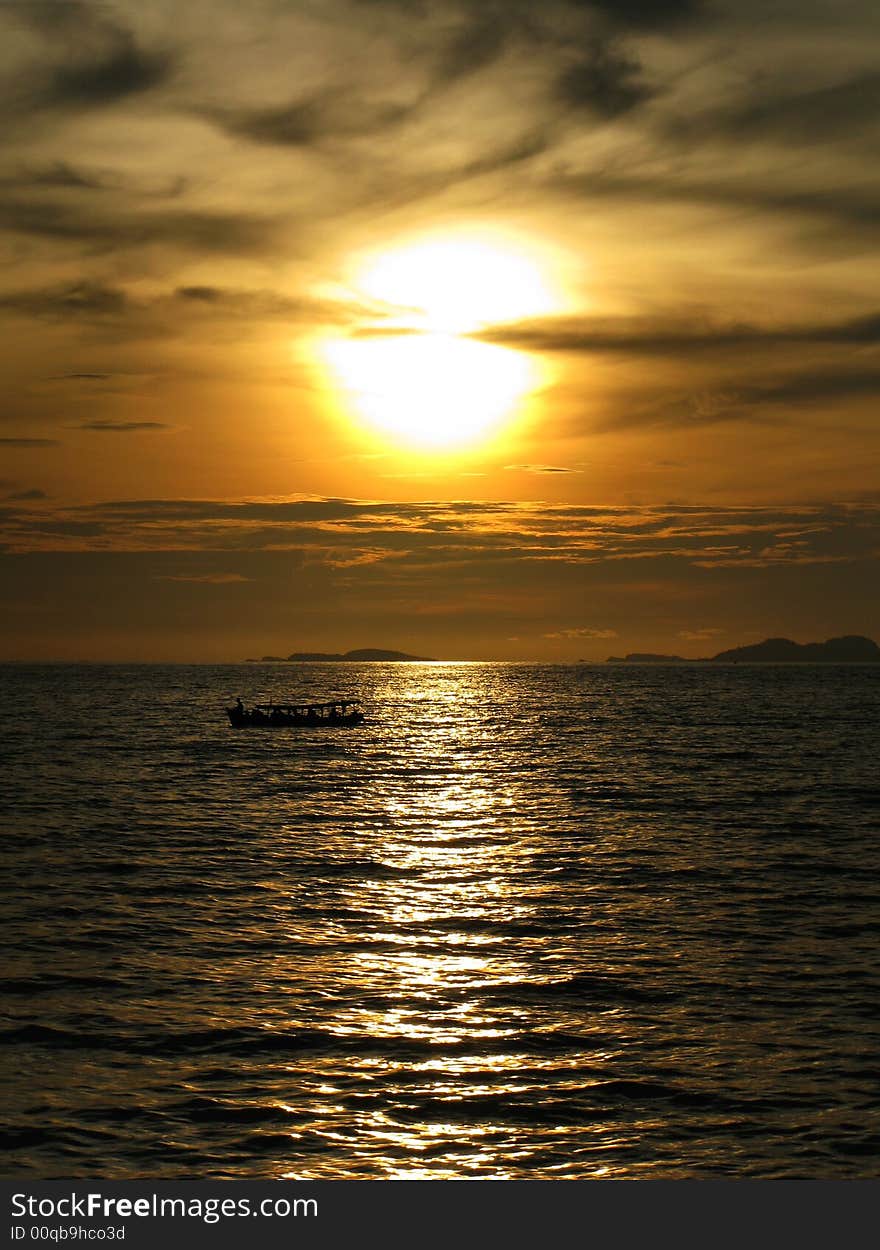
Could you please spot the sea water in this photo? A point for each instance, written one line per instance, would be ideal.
(527, 921)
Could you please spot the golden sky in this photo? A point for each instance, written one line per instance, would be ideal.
(470, 328)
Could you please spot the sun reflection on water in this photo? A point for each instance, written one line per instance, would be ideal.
(437, 1027)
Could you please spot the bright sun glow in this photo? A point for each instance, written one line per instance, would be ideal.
(456, 285)
(433, 389)
(415, 374)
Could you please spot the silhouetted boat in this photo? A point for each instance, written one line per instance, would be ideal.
(338, 712)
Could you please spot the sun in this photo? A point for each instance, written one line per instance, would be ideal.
(432, 390)
(456, 285)
(414, 372)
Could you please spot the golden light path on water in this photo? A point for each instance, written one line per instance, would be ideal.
(415, 374)
(447, 990)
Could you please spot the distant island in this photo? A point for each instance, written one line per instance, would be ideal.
(366, 655)
(851, 649)
(647, 657)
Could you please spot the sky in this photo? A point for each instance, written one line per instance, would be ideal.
(470, 328)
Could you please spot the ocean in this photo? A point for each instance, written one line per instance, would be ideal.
(526, 922)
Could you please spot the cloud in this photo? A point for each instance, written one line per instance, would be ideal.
(86, 58)
(25, 496)
(539, 468)
(501, 156)
(122, 427)
(351, 534)
(584, 632)
(470, 39)
(267, 304)
(205, 579)
(235, 233)
(64, 176)
(80, 377)
(670, 336)
(60, 174)
(838, 199)
(636, 14)
(475, 46)
(75, 299)
(646, 14)
(806, 387)
(180, 312)
(605, 81)
(29, 442)
(806, 117)
(327, 114)
(122, 69)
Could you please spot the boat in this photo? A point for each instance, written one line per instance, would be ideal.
(337, 712)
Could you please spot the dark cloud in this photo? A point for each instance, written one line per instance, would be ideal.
(205, 579)
(652, 337)
(809, 386)
(285, 510)
(476, 46)
(605, 81)
(326, 115)
(122, 69)
(757, 401)
(857, 208)
(539, 468)
(81, 377)
(27, 496)
(268, 304)
(113, 307)
(63, 174)
(202, 294)
(79, 299)
(88, 59)
(60, 528)
(843, 110)
(636, 14)
(122, 427)
(209, 232)
(646, 14)
(853, 207)
(298, 124)
(61, 18)
(29, 442)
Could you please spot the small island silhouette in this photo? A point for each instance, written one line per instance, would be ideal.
(850, 649)
(364, 655)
